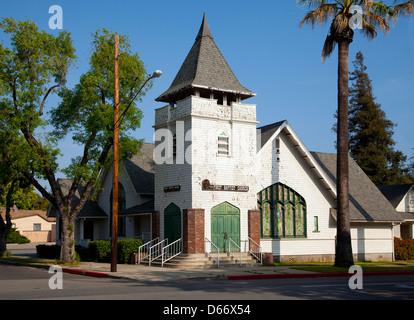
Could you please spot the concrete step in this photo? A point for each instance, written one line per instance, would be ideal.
(203, 261)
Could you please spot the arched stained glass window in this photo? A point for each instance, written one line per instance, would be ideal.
(283, 212)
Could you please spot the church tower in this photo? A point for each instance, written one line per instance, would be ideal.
(205, 152)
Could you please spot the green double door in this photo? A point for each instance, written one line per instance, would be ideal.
(225, 224)
(172, 223)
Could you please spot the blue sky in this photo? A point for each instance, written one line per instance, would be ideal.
(263, 45)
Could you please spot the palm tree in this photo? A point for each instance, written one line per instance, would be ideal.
(372, 15)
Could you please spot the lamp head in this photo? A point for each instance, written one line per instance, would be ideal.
(157, 74)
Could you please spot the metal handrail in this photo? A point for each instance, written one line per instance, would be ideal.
(172, 250)
(231, 242)
(206, 240)
(255, 253)
(156, 250)
(143, 251)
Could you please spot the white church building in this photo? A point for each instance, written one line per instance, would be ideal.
(214, 175)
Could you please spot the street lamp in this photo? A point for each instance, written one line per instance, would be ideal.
(117, 121)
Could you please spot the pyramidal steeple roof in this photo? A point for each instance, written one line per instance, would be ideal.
(204, 68)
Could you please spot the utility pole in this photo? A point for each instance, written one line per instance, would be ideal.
(116, 162)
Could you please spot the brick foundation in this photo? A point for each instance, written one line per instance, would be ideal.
(254, 225)
(193, 231)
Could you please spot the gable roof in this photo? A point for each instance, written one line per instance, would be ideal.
(395, 193)
(91, 209)
(366, 202)
(141, 168)
(146, 207)
(271, 131)
(205, 68)
(21, 214)
(267, 131)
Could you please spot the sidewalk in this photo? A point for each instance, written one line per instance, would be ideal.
(147, 273)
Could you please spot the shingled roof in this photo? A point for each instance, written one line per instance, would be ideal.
(395, 193)
(141, 169)
(91, 208)
(366, 202)
(205, 68)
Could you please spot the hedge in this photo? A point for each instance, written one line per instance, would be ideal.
(100, 250)
(97, 251)
(404, 249)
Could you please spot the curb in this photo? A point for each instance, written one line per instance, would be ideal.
(315, 275)
(67, 270)
(86, 273)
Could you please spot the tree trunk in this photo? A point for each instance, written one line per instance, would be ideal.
(5, 226)
(343, 253)
(67, 251)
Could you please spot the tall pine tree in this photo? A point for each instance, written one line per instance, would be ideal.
(370, 133)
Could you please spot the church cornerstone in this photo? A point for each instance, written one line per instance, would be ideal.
(193, 231)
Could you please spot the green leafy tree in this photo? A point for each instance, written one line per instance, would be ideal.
(25, 199)
(370, 132)
(35, 67)
(341, 14)
(15, 155)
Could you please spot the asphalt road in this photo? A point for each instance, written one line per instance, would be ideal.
(20, 282)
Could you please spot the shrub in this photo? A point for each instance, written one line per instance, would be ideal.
(100, 250)
(14, 236)
(126, 247)
(404, 249)
(83, 253)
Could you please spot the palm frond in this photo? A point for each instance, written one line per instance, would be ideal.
(377, 21)
(405, 8)
(328, 47)
(320, 15)
(381, 9)
(368, 30)
(310, 3)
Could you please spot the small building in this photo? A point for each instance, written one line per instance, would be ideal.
(402, 198)
(33, 224)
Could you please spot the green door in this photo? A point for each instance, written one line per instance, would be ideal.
(172, 223)
(225, 224)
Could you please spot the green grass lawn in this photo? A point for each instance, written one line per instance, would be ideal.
(27, 260)
(366, 266)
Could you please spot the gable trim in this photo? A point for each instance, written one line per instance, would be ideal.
(306, 156)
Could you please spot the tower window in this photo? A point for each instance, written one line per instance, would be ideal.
(174, 146)
(223, 144)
